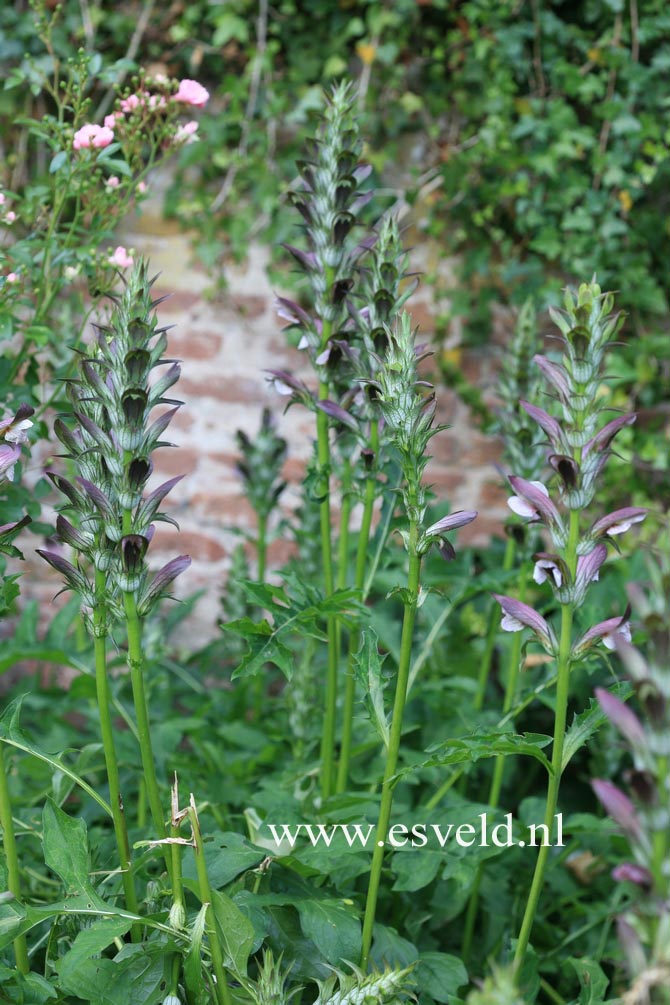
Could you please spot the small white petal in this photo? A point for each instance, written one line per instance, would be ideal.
(545, 568)
(521, 507)
(619, 528)
(511, 624)
(282, 388)
(539, 573)
(16, 434)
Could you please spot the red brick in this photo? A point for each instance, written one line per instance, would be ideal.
(482, 452)
(183, 420)
(249, 306)
(280, 551)
(229, 389)
(177, 300)
(293, 470)
(171, 461)
(423, 317)
(199, 545)
(230, 508)
(191, 344)
(493, 496)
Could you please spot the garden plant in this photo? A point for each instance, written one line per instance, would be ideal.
(405, 768)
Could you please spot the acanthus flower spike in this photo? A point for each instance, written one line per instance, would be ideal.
(517, 616)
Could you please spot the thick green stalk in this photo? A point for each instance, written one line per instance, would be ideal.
(394, 741)
(136, 664)
(261, 546)
(12, 859)
(560, 717)
(107, 733)
(498, 769)
(222, 991)
(343, 545)
(354, 640)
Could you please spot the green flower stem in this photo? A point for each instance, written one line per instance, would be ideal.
(111, 764)
(11, 858)
(343, 545)
(560, 717)
(354, 641)
(261, 546)
(323, 459)
(491, 633)
(498, 769)
(136, 665)
(394, 740)
(661, 841)
(223, 996)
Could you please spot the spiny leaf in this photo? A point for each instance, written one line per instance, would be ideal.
(368, 665)
(585, 724)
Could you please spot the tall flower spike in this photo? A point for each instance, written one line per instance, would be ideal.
(580, 445)
(329, 201)
(518, 380)
(119, 384)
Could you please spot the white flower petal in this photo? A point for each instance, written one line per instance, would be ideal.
(511, 624)
(521, 507)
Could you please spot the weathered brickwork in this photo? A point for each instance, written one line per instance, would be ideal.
(225, 345)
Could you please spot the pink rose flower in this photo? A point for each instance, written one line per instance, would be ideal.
(121, 258)
(112, 182)
(92, 136)
(142, 187)
(186, 133)
(12, 277)
(192, 93)
(110, 120)
(132, 102)
(2, 198)
(10, 217)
